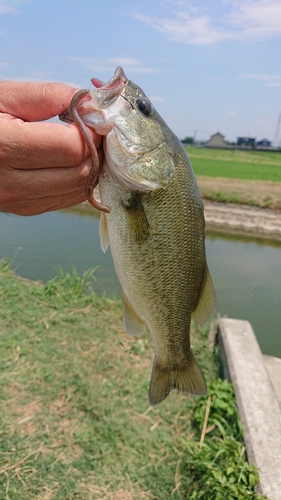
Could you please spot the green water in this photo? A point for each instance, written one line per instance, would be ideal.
(246, 272)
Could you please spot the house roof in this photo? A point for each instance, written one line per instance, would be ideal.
(217, 133)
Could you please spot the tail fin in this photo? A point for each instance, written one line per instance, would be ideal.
(187, 379)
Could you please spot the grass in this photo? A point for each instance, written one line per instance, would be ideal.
(75, 419)
(248, 165)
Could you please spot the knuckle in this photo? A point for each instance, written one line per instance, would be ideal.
(74, 150)
(58, 93)
(75, 156)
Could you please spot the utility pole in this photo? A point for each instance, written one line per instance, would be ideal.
(276, 135)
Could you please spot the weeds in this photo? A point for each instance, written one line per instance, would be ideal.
(72, 284)
(219, 467)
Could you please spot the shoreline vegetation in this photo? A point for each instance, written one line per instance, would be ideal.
(260, 194)
(75, 418)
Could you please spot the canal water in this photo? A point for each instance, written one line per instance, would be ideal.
(246, 272)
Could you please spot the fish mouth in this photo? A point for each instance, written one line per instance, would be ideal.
(100, 98)
(106, 93)
(118, 80)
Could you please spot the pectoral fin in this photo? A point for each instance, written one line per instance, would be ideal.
(136, 217)
(103, 232)
(131, 321)
(206, 306)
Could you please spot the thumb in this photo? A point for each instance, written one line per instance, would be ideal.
(34, 101)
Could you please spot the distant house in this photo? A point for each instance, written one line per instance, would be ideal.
(216, 141)
(264, 143)
(246, 141)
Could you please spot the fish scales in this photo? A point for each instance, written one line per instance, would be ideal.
(148, 271)
(155, 230)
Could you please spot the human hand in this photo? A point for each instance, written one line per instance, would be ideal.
(43, 166)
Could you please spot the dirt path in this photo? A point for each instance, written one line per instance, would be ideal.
(264, 194)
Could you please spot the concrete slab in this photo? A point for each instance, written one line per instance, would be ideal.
(257, 404)
(273, 367)
(243, 219)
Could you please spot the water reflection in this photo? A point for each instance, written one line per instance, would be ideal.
(246, 271)
(247, 277)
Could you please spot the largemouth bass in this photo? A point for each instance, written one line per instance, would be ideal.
(155, 230)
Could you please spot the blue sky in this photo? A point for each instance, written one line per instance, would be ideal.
(207, 65)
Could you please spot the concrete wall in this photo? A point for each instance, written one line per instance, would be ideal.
(258, 406)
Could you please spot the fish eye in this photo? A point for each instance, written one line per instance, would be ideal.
(145, 107)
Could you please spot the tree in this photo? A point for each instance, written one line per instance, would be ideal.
(188, 140)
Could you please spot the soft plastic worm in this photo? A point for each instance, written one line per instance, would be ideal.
(93, 178)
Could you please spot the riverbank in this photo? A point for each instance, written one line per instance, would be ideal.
(75, 418)
(243, 219)
(241, 206)
(259, 411)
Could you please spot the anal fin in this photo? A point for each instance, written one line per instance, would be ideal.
(206, 306)
(131, 321)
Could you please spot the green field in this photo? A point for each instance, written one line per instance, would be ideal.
(248, 165)
(75, 418)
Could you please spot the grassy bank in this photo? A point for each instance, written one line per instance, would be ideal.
(75, 419)
(251, 178)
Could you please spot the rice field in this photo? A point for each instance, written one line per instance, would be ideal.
(234, 164)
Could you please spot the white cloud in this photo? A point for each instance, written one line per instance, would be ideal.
(268, 79)
(10, 6)
(130, 65)
(273, 84)
(156, 98)
(37, 79)
(125, 61)
(24, 78)
(257, 18)
(186, 28)
(239, 20)
(6, 9)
